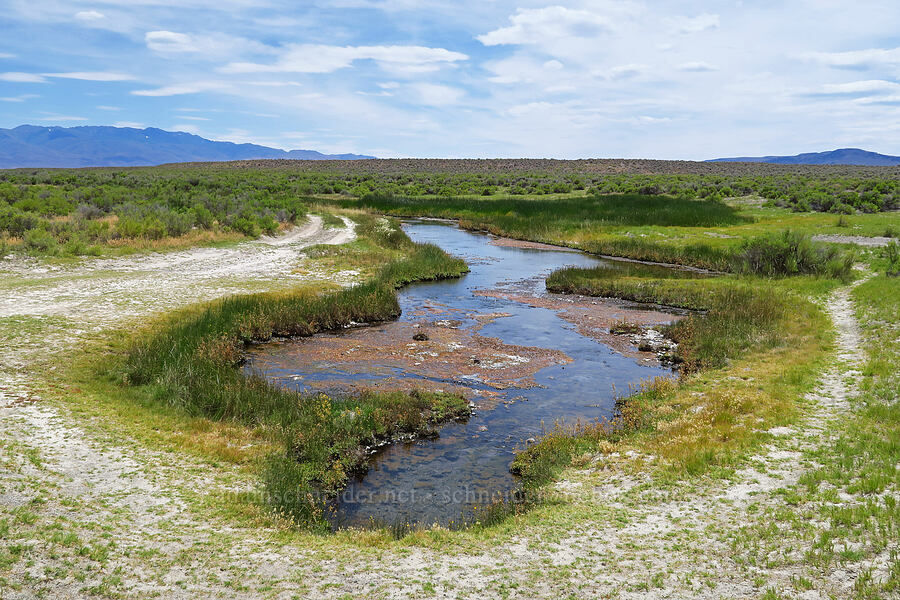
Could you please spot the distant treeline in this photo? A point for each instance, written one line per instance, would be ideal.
(76, 208)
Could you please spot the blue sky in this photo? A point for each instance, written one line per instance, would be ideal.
(434, 78)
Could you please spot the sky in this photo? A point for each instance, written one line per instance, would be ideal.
(466, 78)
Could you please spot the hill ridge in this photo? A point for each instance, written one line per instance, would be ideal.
(841, 156)
(109, 146)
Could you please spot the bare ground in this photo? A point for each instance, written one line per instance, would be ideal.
(100, 514)
(859, 240)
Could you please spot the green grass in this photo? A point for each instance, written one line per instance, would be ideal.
(528, 216)
(792, 253)
(188, 362)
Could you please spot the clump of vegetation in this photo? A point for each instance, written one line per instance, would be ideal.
(525, 217)
(737, 319)
(625, 327)
(891, 255)
(792, 253)
(189, 362)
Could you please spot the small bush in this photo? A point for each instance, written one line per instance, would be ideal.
(245, 226)
(41, 241)
(891, 253)
(88, 212)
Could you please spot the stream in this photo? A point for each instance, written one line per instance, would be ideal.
(526, 359)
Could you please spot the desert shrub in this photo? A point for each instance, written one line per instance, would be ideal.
(245, 226)
(88, 212)
(16, 223)
(40, 241)
(203, 217)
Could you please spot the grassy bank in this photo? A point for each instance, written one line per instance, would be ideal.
(747, 359)
(188, 362)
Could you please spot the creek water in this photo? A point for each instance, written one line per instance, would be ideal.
(441, 480)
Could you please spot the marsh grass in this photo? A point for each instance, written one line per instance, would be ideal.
(530, 215)
(792, 253)
(188, 361)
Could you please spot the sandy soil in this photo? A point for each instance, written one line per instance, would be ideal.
(136, 513)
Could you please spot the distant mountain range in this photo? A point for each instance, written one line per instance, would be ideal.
(844, 156)
(32, 146)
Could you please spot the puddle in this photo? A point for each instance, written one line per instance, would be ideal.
(526, 358)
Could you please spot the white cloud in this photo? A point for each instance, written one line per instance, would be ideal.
(522, 69)
(19, 98)
(538, 25)
(92, 76)
(696, 67)
(105, 107)
(7, 55)
(866, 88)
(310, 58)
(856, 59)
(132, 124)
(170, 42)
(688, 25)
(19, 77)
(59, 119)
(214, 46)
(189, 118)
(627, 71)
(186, 128)
(185, 88)
(437, 95)
(89, 15)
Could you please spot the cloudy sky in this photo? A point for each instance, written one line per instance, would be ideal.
(466, 78)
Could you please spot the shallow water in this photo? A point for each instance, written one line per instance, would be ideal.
(436, 481)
